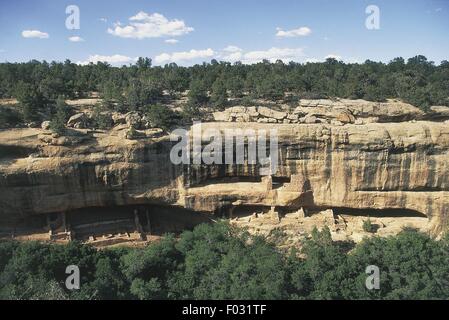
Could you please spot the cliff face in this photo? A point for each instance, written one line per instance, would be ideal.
(321, 165)
(373, 166)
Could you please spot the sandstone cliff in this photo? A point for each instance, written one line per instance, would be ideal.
(347, 164)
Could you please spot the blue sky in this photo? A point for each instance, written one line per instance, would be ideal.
(188, 32)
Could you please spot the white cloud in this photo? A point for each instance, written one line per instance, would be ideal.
(115, 59)
(273, 54)
(184, 56)
(333, 56)
(353, 60)
(76, 39)
(171, 41)
(232, 49)
(300, 32)
(103, 20)
(144, 25)
(35, 34)
(233, 57)
(231, 53)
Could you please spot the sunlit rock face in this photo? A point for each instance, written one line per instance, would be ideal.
(401, 165)
(373, 166)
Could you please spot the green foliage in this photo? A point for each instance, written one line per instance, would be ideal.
(161, 116)
(198, 92)
(59, 120)
(271, 88)
(219, 261)
(412, 266)
(102, 117)
(31, 100)
(219, 95)
(140, 93)
(248, 101)
(131, 88)
(368, 226)
(175, 79)
(9, 117)
(143, 63)
(191, 112)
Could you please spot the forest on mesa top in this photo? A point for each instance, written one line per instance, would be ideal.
(416, 81)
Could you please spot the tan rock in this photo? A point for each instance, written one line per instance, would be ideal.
(133, 120)
(78, 121)
(270, 113)
(45, 125)
(345, 117)
(370, 166)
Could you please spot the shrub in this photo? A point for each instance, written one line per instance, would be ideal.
(102, 118)
(162, 117)
(219, 261)
(9, 117)
(190, 112)
(368, 226)
(59, 120)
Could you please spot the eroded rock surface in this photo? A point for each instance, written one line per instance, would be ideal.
(385, 166)
(326, 111)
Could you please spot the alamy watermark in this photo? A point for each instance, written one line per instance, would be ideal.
(228, 146)
(373, 280)
(73, 21)
(72, 282)
(372, 22)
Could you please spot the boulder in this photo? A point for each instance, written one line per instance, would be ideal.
(236, 109)
(336, 123)
(438, 113)
(118, 118)
(221, 116)
(345, 117)
(46, 125)
(146, 123)
(270, 113)
(390, 111)
(33, 124)
(440, 110)
(71, 138)
(310, 119)
(133, 120)
(252, 112)
(133, 134)
(78, 121)
(106, 119)
(154, 133)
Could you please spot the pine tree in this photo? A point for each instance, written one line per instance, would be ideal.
(59, 120)
(219, 96)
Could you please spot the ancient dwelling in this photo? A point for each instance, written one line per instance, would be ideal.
(338, 161)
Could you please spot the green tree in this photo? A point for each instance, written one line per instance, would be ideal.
(219, 95)
(102, 118)
(197, 92)
(59, 120)
(32, 101)
(368, 226)
(161, 116)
